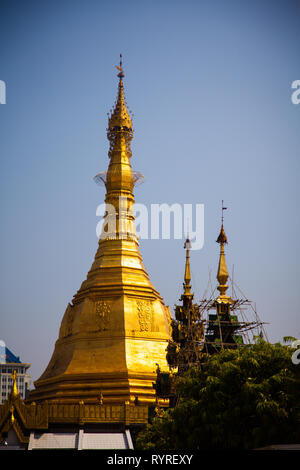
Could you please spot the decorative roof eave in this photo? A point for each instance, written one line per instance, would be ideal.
(14, 413)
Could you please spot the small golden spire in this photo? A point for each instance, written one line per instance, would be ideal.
(222, 275)
(14, 388)
(187, 273)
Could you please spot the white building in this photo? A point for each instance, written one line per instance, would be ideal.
(8, 363)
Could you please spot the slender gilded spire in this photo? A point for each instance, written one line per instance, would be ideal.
(119, 133)
(187, 273)
(14, 388)
(222, 275)
(187, 328)
(119, 178)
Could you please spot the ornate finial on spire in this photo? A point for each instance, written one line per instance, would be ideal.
(120, 68)
(222, 236)
(120, 119)
(223, 209)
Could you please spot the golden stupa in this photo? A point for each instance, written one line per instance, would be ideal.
(114, 334)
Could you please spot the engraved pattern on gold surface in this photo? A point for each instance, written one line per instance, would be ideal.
(102, 309)
(145, 314)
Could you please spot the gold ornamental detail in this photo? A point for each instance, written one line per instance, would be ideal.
(102, 310)
(145, 314)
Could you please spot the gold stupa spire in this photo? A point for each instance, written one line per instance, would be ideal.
(187, 273)
(188, 327)
(222, 274)
(119, 179)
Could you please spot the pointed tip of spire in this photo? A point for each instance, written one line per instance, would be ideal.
(222, 238)
(120, 68)
(222, 274)
(119, 115)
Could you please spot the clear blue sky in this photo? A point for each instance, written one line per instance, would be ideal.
(209, 83)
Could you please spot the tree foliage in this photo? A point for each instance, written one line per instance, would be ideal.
(237, 399)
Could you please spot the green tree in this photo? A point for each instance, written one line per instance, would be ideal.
(237, 399)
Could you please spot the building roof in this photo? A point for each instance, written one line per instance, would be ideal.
(6, 356)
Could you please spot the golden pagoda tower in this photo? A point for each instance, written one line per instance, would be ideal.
(117, 328)
(223, 325)
(184, 350)
(223, 301)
